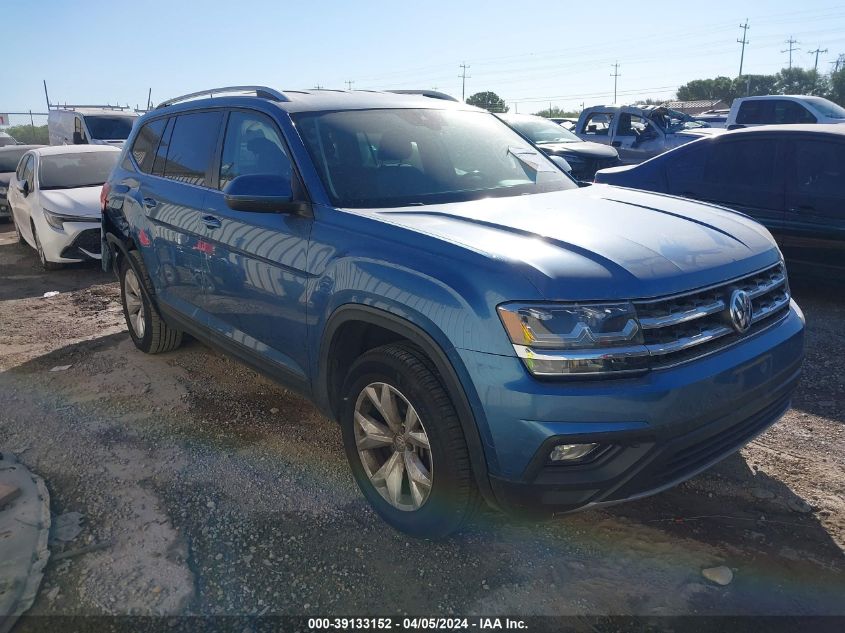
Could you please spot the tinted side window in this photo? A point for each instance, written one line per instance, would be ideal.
(686, 167)
(819, 169)
(784, 111)
(161, 153)
(146, 144)
(22, 166)
(28, 169)
(752, 112)
(192, 145)
(252, 146)
(749, 163)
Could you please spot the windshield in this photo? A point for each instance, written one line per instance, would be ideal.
(392, 158)
(827, 108)
(109, 128)
(67, 171)
(541, 130)
(674, 121)
(9, 159)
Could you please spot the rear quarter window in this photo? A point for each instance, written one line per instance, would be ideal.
(146, 144)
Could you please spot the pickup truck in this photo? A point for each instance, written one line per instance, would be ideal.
(639, 132)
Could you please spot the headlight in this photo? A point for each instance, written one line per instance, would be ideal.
(57, 220)
(580, 339)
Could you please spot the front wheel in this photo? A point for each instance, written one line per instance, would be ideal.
(405, 444)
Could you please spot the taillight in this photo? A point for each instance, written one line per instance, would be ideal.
(104, 196)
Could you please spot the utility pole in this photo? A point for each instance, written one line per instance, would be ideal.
(615, 75)
(743, 41)
(349, 83)
(463, 77)
(816, 65)
(317, 87)
(840, 61)
(791, 48)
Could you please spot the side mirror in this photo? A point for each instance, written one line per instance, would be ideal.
(23, 187)
(78, 139)
(259, 193)
(562, 163)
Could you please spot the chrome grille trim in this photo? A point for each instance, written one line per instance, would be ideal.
(686, 326)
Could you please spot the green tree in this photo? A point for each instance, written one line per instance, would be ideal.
(555, 111)
(836, 87)
(29, 135)
(490, 101)
(795, 81)
(699, 89)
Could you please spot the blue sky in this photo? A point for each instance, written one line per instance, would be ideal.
(530, 54)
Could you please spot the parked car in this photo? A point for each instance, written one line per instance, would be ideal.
(566, 122)
(478, 324)
(89, 125)
(782, 110)
(6, 140)
(639, 132)
(9, 158)
(582, 156)
(54, 196)
(790, 178)
(713, 118)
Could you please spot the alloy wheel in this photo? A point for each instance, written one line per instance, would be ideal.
(134, 303)
(393, 446)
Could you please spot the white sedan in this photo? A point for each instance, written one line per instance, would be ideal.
(55, 201)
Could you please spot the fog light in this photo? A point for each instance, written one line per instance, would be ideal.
(571, 452)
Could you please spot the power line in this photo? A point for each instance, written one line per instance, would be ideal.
(791, 48)
(615, 75)
(463, 77)
(743, 41)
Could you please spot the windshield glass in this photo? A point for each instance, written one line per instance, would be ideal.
(541, 130)
(66, 171)
(392, 158)
(674, 121)
(9, 159)
(109, 128)
(827, 108)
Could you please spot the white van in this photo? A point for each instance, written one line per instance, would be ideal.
(783, 109)
(94, 126)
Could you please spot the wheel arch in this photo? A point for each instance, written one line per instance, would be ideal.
(389, 327)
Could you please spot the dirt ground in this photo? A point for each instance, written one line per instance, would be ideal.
(206, 489)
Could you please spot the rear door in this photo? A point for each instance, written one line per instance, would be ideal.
(173, 199)
(256, 266)
(597, 127)
(813, 236)
(745, 174)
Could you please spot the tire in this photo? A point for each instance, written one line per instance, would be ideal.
(45, 264)
(148, 330)
(451, 498)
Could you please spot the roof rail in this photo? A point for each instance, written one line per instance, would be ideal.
(433, 94)
(260, 91)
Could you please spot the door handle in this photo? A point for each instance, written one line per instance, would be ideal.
(150, 203)
(211, 222)
(617, 143)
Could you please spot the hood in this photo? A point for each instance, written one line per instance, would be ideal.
(600, 242)
(581, 148)
(82, 201)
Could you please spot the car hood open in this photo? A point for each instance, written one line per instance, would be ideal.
(84, 201)
(601, 242)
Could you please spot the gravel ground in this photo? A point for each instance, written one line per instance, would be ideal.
(210, 490)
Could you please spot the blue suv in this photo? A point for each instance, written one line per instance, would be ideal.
(481, 327)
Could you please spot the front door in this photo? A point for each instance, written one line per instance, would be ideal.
(256, 262)
(813, 236)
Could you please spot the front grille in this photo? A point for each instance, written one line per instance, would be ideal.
(682, 327)
(88, 240)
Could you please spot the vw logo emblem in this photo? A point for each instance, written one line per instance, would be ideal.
(740, 309)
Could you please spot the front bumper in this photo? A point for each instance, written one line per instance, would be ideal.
(657, 430)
